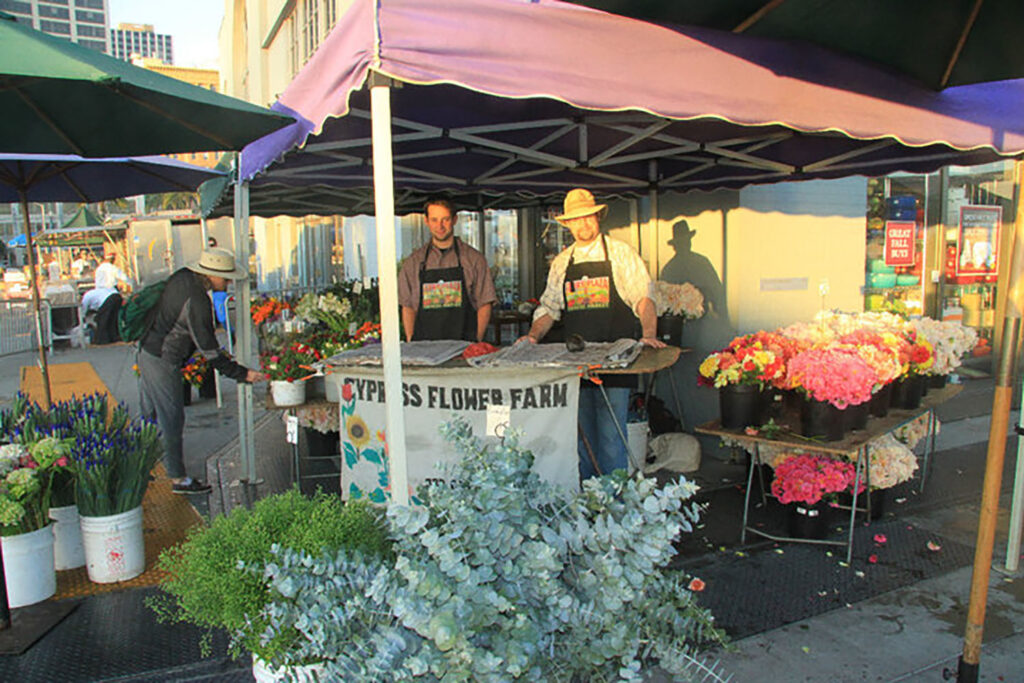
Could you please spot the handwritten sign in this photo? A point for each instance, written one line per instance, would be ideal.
(899, 243)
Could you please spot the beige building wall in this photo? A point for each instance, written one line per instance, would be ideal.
(774, 246)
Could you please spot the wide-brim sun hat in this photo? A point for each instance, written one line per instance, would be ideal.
(579, 203)
(218, 262)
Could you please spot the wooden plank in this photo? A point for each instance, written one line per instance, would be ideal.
(66, 381)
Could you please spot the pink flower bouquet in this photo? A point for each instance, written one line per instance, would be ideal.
(834, 373)
(807, 478)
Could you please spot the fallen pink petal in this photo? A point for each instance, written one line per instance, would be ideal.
(934, 547)
(880, 538)
(873, 559)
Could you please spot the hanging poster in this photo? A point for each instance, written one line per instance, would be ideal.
(978, 240)
(539, 402)
(900, 242)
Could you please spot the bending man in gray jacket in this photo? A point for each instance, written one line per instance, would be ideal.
(183, 322)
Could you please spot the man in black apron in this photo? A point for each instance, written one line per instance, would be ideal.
(445, 288)
(600, 288)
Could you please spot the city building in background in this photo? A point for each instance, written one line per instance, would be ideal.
(129, 41)
(81, 21)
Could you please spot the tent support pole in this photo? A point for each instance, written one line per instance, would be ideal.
(243, 349)
(44, 368)
(387, 258)
(1013, 302)
(968, 665)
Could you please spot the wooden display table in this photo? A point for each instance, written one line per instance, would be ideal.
(853, 447)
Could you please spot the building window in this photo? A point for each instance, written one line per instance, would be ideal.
(53, 12)
(310, 28)
(92, 31)
(89, 17)
(91, 4)
(330, 16)
(58, 2)
(60, 28)
(293, 44)
(15, 6)
(99, 46)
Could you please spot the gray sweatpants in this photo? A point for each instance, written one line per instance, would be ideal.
(161, 395)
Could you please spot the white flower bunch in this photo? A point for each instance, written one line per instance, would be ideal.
(10, 457)
(950, 341)
(912, 432)
(685, 299)
(325, 308)
(891, 463)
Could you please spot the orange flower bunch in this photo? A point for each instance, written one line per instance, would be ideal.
(368, 333)
(267, 308)
(195, 370)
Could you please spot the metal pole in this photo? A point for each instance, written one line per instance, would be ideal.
(33, 275)
(1017, 507)
(243, 351)
(387, 260)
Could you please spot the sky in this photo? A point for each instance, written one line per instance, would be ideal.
(192, 24)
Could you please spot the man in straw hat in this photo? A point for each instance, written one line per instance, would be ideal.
(600, 288)
(182, 321)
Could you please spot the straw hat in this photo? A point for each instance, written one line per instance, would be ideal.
(218, 262)
(580, 203)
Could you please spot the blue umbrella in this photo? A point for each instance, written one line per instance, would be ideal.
(17, 241)
(28, 178)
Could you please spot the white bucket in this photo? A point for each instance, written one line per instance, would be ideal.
(114, 548)
(68, 551)
(28, 567)
(288, 393)
(307, 673)
(636, 436)
(333, 388)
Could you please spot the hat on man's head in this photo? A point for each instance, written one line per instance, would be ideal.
(681, 232)
(218, 262)
(580, 203)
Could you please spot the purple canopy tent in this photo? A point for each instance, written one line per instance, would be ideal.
(502, 101)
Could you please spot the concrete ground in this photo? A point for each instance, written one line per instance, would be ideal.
(909, 634)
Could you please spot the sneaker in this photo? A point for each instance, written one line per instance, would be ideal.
(191, 486)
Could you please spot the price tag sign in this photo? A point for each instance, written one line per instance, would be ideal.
(499, 418)
(366, 282)
(291, 426)
(357, 287)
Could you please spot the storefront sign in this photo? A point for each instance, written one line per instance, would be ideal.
(978, 240)
(899, 243)
(540, 402)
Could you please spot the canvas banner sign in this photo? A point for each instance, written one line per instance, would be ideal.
(539, 402)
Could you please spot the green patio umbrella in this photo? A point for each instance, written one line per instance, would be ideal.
(61, 98)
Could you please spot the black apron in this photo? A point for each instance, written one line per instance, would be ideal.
(444, 311)
(593, 308)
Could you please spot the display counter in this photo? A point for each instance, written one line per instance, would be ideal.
(854, 447)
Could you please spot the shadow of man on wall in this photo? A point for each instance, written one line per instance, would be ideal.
(708, 333)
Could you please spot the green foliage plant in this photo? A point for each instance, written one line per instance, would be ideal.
(502, 576)
(207, 585)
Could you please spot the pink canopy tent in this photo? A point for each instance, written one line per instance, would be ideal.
(493, 100)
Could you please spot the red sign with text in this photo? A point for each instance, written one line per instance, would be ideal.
(899, 243)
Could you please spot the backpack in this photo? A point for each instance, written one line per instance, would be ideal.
(139, 311)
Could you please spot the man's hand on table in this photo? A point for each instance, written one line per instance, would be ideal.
(653, 342)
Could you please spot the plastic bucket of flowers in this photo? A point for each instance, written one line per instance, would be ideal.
(832, 377)
(112, 459)
(808, 484)
(739, 371)
(27, 476)
(286, 370)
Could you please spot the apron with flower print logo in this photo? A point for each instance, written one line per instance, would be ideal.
(593, 308)
(444, 311)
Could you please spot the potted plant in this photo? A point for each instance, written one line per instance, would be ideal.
(286, 368)
(112, 455)
(495, 571)
(917, 357)
(26, 480)
(740, 371)
(673, 304)
(831, 377)
(808, 483)
(206, 584)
